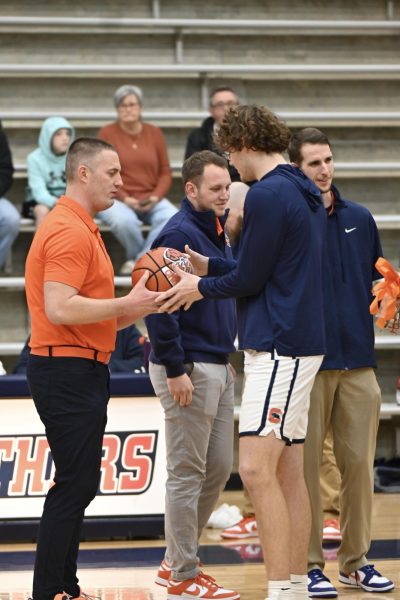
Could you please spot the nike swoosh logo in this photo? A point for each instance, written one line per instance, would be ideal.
(349, 230)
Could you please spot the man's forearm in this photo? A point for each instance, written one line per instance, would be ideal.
(79, 310)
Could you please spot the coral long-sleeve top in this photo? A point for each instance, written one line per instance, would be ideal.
(145, 168)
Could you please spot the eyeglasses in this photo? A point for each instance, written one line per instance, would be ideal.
(130, 105)
(230, 104)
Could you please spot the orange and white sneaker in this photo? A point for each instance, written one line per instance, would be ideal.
(202, 586)
(163, 574)
(331, 531)
(245, 528)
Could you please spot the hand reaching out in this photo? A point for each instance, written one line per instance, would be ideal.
(199, 262)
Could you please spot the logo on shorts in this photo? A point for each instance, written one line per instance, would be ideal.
(274, 415)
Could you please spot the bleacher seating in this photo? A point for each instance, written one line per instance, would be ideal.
(332, 65)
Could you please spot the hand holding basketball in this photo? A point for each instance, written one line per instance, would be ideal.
(158, 263)
(181, 295)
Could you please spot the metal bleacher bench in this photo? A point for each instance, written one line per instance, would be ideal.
(28, 225)
(382, 221)
(195, 70)
(342, 169)
(199, 26)
(193, 117)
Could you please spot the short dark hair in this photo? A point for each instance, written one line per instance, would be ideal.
(221, 88)
(308, 135)
(83, 149)
(254, 127)
(193, 167)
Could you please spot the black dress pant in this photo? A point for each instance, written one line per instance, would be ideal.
(71, 397)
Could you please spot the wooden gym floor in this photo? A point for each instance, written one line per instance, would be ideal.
(125, 570)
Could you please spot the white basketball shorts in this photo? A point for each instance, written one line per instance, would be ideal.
(276, 394)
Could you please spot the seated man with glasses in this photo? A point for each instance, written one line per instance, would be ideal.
(221, 99)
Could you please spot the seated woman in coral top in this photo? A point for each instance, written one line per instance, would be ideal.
(146, 176)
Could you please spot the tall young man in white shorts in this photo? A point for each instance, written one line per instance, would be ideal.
(277, 281)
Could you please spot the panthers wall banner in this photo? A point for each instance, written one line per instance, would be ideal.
(133, 469)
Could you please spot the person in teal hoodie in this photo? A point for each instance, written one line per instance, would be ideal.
(46, 168)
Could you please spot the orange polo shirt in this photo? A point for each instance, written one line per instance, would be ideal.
(68, 248)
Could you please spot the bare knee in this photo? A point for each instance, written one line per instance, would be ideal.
(254, 476)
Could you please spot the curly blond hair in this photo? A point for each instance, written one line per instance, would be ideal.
(254, 127)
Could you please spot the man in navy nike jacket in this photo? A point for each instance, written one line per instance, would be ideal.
(346, 396)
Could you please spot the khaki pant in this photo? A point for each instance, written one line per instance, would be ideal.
(349, 403)
(329, 479)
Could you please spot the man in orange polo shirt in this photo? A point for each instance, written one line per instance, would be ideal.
(74, 318)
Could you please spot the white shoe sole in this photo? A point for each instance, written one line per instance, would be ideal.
(161, 581)
(239, 536)
(176, 597)
(323, 594)
(367, 588)
(332, 538)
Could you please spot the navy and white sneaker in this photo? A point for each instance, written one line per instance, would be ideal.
(319, 585)
(367, 578)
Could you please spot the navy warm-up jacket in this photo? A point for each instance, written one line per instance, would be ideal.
(206, 332)
(353, 247)
(278, 276)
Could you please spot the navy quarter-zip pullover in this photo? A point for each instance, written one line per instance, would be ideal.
(206, 332)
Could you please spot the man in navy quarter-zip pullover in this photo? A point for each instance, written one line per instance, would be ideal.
(190, 372)
(346, 396)
(278, 282)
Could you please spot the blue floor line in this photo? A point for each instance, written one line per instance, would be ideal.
(235, 553)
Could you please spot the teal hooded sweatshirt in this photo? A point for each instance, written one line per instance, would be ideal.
(46, 170)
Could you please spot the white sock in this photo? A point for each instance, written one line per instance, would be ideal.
(279, 589)
(299, 586)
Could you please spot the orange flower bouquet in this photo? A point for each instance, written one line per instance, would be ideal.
(386, 304)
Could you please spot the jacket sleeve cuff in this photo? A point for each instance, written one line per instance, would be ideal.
(175, 370)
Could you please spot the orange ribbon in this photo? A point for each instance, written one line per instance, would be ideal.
(386, 292)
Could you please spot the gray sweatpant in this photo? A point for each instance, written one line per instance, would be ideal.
(199, 442)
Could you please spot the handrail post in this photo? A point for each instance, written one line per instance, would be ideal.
(155, 9)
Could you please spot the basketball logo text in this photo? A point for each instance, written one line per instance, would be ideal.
(127, 466)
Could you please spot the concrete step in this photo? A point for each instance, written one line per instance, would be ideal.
(28, 49)
(353, 144)
(182, 94)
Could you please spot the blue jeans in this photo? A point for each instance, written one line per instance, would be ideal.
(126, 225)
(9, 227)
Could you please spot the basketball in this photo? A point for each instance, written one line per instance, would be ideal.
(157, 261)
